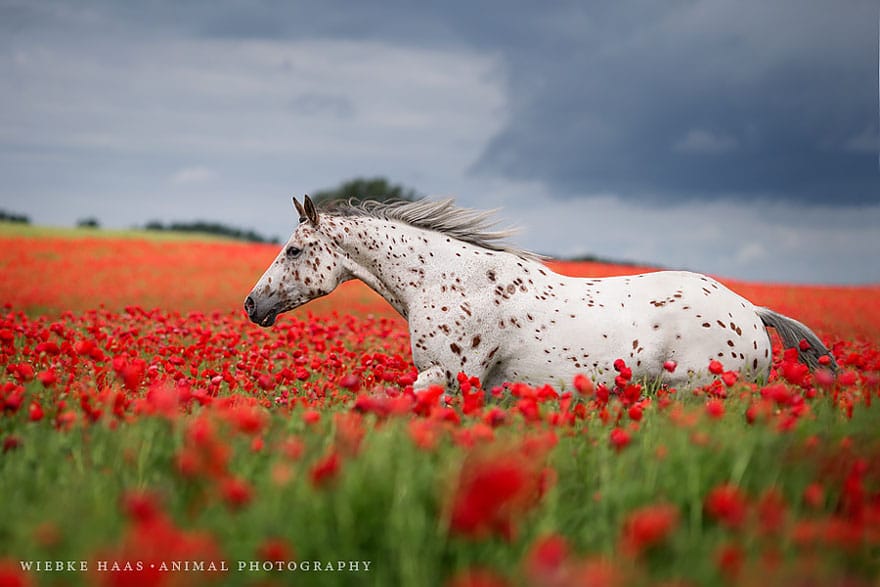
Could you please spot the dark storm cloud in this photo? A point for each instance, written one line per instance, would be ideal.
(770, 99)
(642, 99)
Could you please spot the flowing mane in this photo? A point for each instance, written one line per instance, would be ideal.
(476, 227)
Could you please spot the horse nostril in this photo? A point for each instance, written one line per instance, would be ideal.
(249, 305)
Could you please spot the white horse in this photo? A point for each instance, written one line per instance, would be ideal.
(478, 306)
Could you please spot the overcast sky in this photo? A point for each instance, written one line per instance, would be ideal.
(738, 138)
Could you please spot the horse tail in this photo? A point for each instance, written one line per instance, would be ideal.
(792, 333)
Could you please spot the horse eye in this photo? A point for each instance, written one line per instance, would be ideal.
(293, 252)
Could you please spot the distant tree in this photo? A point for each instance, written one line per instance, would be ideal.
(12, 217)
(90, 222)
(376, 188)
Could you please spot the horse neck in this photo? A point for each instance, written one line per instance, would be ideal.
(391, 257)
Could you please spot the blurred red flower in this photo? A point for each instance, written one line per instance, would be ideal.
(647, 527)
(492, 490)
(620, 438)
(237, 493)
(715, 408)
(325, 470)
(771, 511)
(544, 563)
(727, 505)
(11, 574)
(275, 549)
(729, 560)
(477, 578)
(583, 384)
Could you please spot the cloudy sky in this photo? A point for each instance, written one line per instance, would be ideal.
(729, 137)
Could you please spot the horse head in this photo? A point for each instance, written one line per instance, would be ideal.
(307, 267)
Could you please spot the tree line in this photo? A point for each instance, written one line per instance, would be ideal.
(12, 217)
(211, 228)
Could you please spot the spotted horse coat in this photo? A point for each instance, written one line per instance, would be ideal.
(478, 306)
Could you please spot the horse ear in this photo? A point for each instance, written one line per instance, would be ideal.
(299, 209)
(311, 211)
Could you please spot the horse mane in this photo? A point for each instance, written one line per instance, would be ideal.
(476, 227)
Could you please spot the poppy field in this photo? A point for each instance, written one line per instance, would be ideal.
(151, 435)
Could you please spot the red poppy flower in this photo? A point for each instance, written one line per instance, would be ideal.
(715, 408)
(48, 377)
(492, 490)
(477, 578)
(729, 560)
(11, 574)
(647, 527)
(275, 549)
(583, 384)
(545, 560)
(35, 412)
(325, 470)
(237, 493)
(771, 511)
(727, 504)
(814, 495)
(620, 438)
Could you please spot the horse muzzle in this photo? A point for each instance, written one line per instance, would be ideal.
(261, 314)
